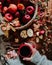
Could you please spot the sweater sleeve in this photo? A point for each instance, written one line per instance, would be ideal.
(14, 61)
(40, 60)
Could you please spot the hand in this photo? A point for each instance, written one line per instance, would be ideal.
(12, 58)
(11, 54)
(33, 52)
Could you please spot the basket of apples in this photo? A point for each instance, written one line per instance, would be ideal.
(18, 14)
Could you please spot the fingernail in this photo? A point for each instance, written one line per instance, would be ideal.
(25, 43)
(23, 59)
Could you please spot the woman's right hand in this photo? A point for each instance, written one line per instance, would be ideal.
(33, 52)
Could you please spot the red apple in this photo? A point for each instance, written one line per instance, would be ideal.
(5, 9)
(12, 8)
(30, 10)
(26, 18)
(42, 32)
(20, 6)
(17, 14)
(8, 17)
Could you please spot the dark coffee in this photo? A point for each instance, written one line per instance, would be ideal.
(25, 51)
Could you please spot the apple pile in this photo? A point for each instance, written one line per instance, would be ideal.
(20, 11)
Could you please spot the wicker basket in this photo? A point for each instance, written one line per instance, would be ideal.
(29, 23)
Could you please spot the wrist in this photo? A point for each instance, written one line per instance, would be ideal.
(34, 52)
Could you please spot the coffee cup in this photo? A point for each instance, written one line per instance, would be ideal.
(24, 51)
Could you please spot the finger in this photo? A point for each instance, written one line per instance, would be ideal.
(27, 59)
(8, 52)
(6, 57)
(30, 45)
(15, 55)
(34, 51)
